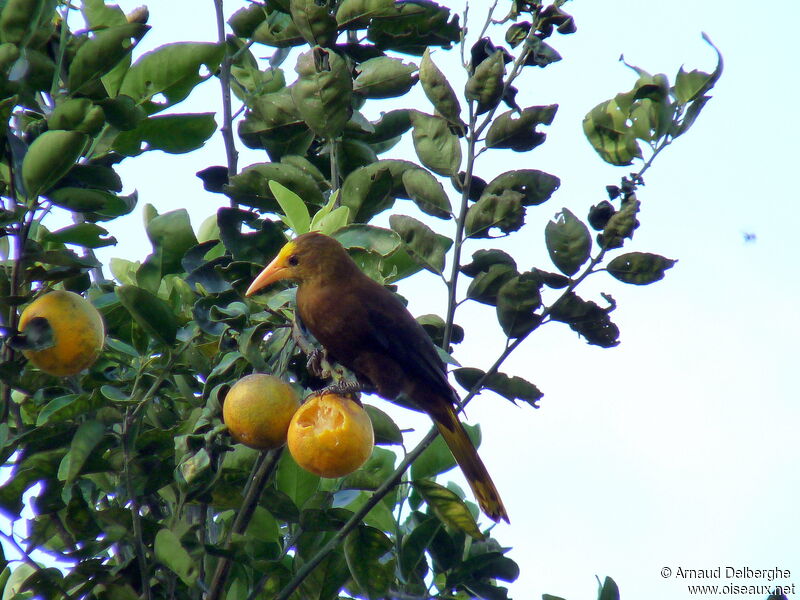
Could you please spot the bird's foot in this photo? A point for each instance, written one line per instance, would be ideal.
(348, 388)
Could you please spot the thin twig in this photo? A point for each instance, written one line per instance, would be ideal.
(455, 267)
(136, 519)
(489, 15)
(38, 568)
(62, 49)
(131, 416)
(226, 130)
(334, 165)
(20, 241)
(263, 469)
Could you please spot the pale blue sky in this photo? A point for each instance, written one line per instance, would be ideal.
(680, 446)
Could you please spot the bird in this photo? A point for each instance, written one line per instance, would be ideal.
(365, 327)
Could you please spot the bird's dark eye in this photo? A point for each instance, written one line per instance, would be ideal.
(293, 260)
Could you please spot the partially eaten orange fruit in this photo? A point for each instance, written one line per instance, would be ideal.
(330, 435)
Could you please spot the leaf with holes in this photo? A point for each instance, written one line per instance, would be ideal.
(568, 242)
(639, 268)
(423, 244)
(516, 130)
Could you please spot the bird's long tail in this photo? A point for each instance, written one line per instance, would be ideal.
(471, 464)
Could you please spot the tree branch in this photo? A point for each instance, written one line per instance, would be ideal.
(263, 469)
(226, 130)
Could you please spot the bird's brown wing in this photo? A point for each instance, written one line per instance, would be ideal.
(402, 338)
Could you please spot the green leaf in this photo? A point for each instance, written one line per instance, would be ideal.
(606, 127)
(517, 300)
(278, 30)
(439, 91)
(355, 14)
(173, 134)
(414, 27)
(505, 212)
(437, 147)
(170, 552)
(49, 158)
(516, 130)
(437, 458)
(373, 473)
(19, 581)
(694, 84)
(85, 440)
(384, 77)
(691, 88)
(330, 223)
(380, 516)
(76, 114)
(368, 237)
(482, 261)
(365, 550)
(150, 312)
(244, 21)
(385, 429)
(271, 113)
(491, 565)
(172, 71)
(251, 185)
(68, 407)
(541, 54)
(101, 205)
(434, 326)
(427, 193)
(297, 483)
(102, 52)
(100, 16)
(639, 268)
(485, 85)
(87, 235)
(194, 473)
(421, 242)
(294, 209)
(171, 235)
(587, 319)
(621, 225)
(314, 21)
(96, 177)
(448, 507)
(415, 544)
(511, 388)
(486, 285)
(389, 127)
(535, 186)
(368, 191)
(322, 91)
(609, 590)
(568, 242)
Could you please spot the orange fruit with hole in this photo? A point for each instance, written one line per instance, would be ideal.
(258, 409)
(77, 330)
(331, 435)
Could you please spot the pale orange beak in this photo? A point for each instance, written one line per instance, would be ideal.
(274, 271)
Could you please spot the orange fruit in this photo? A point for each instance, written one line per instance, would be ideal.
(257, 410)
(77, 328)
(330, 435)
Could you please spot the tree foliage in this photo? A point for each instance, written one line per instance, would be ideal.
(140, 491)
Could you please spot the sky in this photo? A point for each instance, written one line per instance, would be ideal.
(679, 447)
